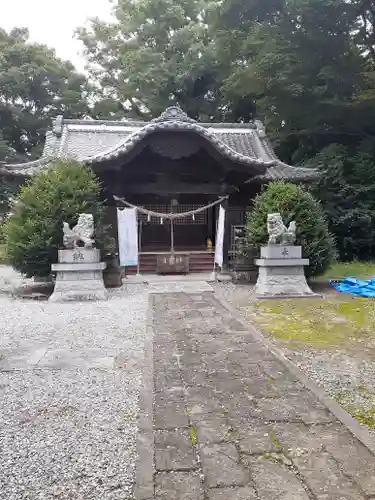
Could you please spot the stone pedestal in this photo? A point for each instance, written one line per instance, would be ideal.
(281, 273)
(79, 276)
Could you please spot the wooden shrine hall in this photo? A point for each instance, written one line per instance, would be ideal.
(172, 164)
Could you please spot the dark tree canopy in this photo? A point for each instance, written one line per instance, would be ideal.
(35, 86)
(347, 191)
(303, 66)
(302, 63)
(157, 52)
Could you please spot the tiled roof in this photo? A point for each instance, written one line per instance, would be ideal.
(94, 141)
(282, 171)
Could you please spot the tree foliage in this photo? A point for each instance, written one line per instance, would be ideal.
(293, 203)
(347, 190)
(35, 86)
(156, 53)
(301, 61)
(301, 65)
(33, 232)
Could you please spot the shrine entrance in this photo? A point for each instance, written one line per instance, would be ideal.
(189, 233)
(171, 172)
(176, 237)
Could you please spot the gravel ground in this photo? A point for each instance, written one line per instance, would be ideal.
(345, 376)
(10, 279)
(68, 421)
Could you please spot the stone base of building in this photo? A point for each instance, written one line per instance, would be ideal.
(281, 273)
(113, 274)
(243, 270)
(79, 276)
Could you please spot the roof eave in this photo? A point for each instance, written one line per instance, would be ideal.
(176, 126)
(297, 178)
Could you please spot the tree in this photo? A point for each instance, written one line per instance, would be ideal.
(35, 86)
(156, 53)
(293, 203)
(365, 27)
(346, 189)
(300, 60)
(33, 232)
(301, 65)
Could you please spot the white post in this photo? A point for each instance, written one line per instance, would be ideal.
(139, 247)
(213, 274)
(219, 240)
(172, 236)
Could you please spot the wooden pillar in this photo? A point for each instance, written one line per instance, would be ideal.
(225, 205)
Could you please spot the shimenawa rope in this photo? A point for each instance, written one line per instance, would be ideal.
(174, 215)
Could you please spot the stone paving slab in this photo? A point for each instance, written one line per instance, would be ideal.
(231, 421)
(173, 451)
(70, 359)
(222, 466)
(178, 485)
(236, 493)
(21, 358)
(273, 479)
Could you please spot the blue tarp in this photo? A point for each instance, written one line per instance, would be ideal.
(354, 286)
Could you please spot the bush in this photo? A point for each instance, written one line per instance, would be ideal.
(3, 255)
(33, 233)
(2, 234)
(293, 203)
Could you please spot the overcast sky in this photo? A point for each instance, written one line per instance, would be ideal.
(53, 22)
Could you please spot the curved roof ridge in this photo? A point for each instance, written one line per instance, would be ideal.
(63, 138)
(49, 153)
(43, 160)
(306, 170)
(90, 141)
(282, 171)
(131, 140)
(140, 124)
(282, 168)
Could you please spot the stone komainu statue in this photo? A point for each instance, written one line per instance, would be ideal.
(278, 233)
(83, 232)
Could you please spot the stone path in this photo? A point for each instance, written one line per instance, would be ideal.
(180, 286)
(231, 422)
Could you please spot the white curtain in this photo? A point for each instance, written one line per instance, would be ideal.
(220, 238)
(127, 236)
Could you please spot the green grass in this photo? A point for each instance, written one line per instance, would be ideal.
(340, 270)
(365, 416)
(365, 412)
(319, 322)
(193, 436)
(335, 323)
(275, 440)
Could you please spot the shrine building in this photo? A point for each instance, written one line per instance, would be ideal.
(172, 164)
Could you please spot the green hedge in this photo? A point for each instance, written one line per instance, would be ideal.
(33, 233)
(293, 202)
